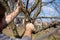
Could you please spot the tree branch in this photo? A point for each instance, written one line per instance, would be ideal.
(56, 6)
(46, 3)
(47, 17)
(39, 9)
(34, 6)
(53, 24)
(27, 4)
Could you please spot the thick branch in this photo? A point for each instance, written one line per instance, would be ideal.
(27, 4)
(39, 9)
(22, 8)
(54, 30)
(53, 24)
(34, 6)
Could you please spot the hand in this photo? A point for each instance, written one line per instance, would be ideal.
(30, 26)
(18, 8)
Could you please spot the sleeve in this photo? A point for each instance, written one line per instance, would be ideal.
(26, 38)
(4, 37)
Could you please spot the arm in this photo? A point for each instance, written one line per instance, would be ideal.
(7, 19)
(12, 15)
(28, 32)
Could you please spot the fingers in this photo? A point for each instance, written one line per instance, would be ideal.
(18, 2)
(30, 25)
(19, 6)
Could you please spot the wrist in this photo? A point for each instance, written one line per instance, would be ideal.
(28, 30)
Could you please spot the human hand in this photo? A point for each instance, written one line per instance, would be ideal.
(30, 26)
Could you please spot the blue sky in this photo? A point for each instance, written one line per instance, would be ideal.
(47, 10)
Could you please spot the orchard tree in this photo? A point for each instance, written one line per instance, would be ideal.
(26, 12)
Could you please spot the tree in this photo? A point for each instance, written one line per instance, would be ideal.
(10, 5)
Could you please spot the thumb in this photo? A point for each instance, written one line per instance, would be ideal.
(18, 3)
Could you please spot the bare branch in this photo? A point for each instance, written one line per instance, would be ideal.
(56, 7)
(27, 4)
(39, 9)
(34, 6)
(48, 17)
(53, 24)
(46, 3)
